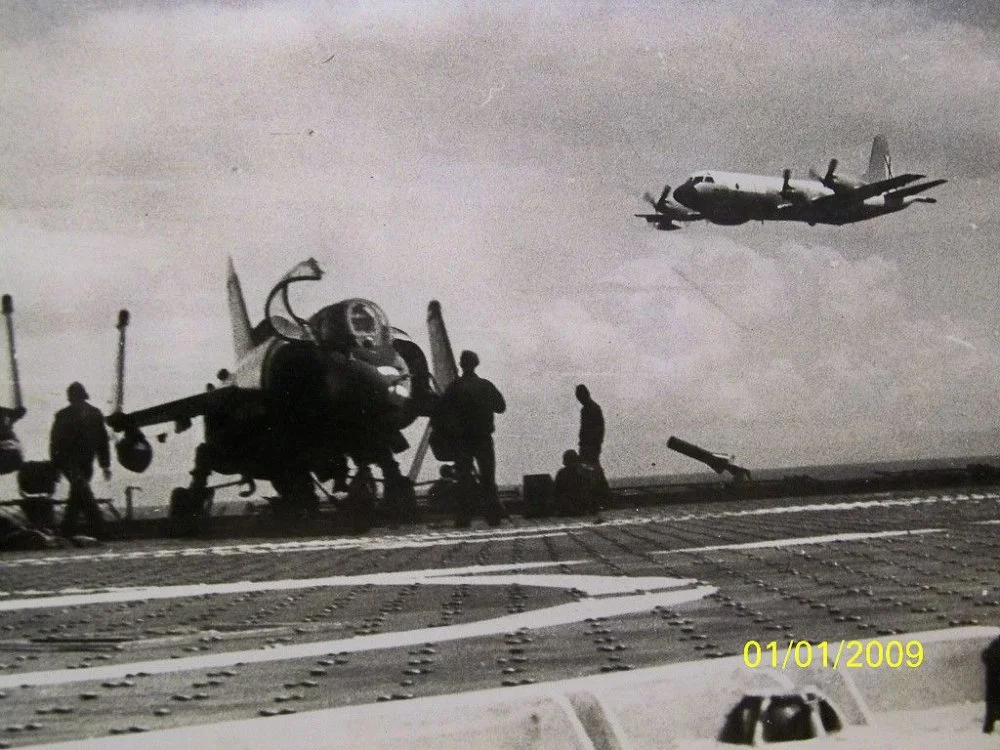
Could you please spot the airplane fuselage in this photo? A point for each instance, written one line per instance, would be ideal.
(735, 198)
(298, 402)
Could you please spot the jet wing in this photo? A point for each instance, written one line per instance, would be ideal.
(182, 410)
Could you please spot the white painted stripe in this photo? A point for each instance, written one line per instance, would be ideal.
(561, 614)
(443, 538)
(77, 597)
(802, 540)
(592, 585)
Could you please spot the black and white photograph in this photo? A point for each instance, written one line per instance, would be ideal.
(588, 375)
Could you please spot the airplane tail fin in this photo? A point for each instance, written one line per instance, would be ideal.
(242, 332)
(440, 430)
(879, 163)
(442, 356)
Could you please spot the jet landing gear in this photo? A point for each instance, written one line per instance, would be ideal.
(296, 496)
(468, 497)
(357, 509)
(191, 506)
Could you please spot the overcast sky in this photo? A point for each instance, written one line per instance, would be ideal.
(491, 156)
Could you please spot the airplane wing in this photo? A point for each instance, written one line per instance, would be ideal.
(662, 222)
(868, 190)
(181, 410)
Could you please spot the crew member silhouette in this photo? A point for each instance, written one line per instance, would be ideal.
(591, 436)
(78, 436)
(470, 403)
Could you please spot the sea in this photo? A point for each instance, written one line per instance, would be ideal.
(152, 490)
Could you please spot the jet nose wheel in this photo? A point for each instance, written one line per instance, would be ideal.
(358, 508)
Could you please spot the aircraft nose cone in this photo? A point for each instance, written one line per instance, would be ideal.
(685, 194)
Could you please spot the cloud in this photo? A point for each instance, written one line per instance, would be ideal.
(492, 157)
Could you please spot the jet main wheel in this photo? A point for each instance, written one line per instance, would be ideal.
(185, 516)
(358, 508)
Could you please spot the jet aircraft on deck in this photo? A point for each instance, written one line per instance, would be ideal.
(735, 198)
(305, 396)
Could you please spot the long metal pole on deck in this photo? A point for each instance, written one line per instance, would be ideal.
(8, 313)
(118, 397)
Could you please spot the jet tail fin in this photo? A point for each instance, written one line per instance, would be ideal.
(879, 163)
(440, 429)
(442, 356)
(242, 332)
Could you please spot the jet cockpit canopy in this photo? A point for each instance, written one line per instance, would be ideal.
(285, 323)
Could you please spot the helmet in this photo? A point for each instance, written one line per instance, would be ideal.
(76, 392)
(468, 359)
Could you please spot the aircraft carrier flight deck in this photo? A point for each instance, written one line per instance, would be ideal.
(152, 634)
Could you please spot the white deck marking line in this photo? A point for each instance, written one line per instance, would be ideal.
(803, 540)
(561, 614)
(78, 597)
(434, 539)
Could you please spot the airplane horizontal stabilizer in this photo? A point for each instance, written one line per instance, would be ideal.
(914, 189)
(871, 189)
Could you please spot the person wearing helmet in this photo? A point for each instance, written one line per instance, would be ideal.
(592, 437)
(78, 437)
(471, 402)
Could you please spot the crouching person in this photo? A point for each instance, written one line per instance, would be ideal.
(575, 487)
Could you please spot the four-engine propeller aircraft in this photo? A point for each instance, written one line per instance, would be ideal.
(305, 396)
(735, 198)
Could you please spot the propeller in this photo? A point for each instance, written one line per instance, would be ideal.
(828, 179)
(658, 204)
(786, 189)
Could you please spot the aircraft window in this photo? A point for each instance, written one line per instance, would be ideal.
(697, 180)
(710, 179)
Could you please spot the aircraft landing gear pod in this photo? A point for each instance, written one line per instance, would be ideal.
(133, 450)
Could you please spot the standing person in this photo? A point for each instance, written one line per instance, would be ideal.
(470, 403)
(592, 436)
(78, 436)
